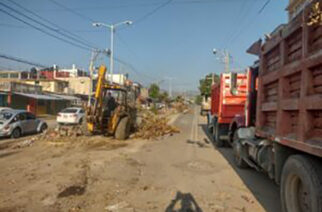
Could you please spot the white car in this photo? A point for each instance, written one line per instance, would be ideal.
(71, 115)
(5, 109)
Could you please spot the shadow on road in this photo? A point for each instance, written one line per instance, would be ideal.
(264, 189)
(183, 202)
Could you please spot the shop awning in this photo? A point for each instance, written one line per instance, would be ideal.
(38, 96)
(65, 97)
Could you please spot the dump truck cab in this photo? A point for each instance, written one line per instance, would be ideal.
(228, 98)
(247, 118)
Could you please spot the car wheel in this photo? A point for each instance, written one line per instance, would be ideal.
(43, 128)
(80, 121)
(16, 133)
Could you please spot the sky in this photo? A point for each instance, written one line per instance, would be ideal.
(168, 38)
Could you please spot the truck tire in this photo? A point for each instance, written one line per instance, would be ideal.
(217, 133)
(301, 185)
(123, 129)
(237, 150)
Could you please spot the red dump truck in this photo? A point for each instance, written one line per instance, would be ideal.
(227, 99)
(284, 139)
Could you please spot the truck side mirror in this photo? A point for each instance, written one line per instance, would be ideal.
(233, 84)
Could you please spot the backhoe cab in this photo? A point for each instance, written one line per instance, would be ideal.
(113, 110)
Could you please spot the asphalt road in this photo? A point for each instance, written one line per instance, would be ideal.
(183, 172)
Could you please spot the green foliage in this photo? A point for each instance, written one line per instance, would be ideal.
(205, 84)
(154, 91)
(198, 100)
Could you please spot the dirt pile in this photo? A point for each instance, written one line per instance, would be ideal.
(180, 107)
(153, 126)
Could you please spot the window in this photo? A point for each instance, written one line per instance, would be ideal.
(22, 116)
(82, 111)
(30, 116)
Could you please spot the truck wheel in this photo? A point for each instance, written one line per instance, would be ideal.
(237, 150)
(123, 129)
(301, 185)
(217, 133)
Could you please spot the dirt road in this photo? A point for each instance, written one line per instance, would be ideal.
(183, 172)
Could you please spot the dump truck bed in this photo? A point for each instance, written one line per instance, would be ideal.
(289, 108)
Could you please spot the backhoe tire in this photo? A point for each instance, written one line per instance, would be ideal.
(123, 129)
(301, 185)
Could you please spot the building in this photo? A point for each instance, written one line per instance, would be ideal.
(74, 71)
(53, 85)
(295, 7)
(31, 97)
(10, 74)
(78, 85)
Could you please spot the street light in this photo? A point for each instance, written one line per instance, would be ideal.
(225, 56)
(112, 27)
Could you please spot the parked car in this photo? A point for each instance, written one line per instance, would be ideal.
(5, 108)
(16, 123)
(71, 115)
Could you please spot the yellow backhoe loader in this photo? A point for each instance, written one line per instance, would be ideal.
(112, 111)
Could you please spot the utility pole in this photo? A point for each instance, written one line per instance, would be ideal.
(227, 61)
(170, 86)
(223, 56)
(91, 69)
(112, 28)
(112, 52)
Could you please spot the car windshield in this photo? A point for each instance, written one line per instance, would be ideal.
(69, 110)
(5, 115)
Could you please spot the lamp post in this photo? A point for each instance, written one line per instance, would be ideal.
(225, 57)
(112, 28)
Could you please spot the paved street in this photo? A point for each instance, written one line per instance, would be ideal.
(184, 172)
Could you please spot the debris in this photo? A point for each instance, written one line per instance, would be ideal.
(25, 143)
(153, 126)
(121, 205)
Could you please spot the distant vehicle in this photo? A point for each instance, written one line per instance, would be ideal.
(71, 115)
(205, 105)
(16, 123)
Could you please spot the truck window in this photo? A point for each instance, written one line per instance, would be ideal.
(233, 84)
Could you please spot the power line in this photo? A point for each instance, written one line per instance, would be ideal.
(77, 37)
(46, 26)
(264, 6)
(45, 32)
(22, 61)
(132, 68)
(152, 11)
(84, 17)
(245, 27)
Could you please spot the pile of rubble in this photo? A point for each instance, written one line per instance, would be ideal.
(153, 126)
(62, 133)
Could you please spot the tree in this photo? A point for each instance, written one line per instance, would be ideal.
(154, 91)
(205, 84)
